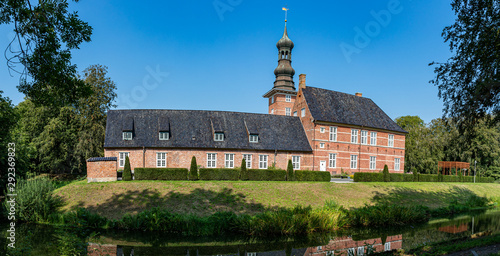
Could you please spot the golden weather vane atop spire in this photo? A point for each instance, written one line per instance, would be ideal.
(286, 12)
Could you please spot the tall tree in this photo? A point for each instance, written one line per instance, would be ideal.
(45, 34)
(8, 118)
(469, 82)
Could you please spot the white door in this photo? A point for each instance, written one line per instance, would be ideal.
(322, 166)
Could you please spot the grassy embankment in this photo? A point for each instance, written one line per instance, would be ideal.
(201, 198)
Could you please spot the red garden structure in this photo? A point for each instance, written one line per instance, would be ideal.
(446, 166)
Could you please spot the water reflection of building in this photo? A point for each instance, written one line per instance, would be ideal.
(337, 246)
(348, 246)
(453, 229)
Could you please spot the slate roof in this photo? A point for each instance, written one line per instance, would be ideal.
(337, 107)
(195, 129)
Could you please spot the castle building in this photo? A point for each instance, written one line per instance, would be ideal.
(317, 129)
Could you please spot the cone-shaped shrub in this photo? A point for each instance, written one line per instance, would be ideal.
(387, 177)
(127, 172)
(289, 171)
(243, 171)
(460, 176)
(193, 171)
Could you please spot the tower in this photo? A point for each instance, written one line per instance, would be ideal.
(282, 95)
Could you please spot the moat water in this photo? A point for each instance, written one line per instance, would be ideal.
(48, 240)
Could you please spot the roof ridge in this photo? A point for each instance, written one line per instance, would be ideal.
(194, 110)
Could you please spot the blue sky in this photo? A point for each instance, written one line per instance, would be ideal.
(221, 54)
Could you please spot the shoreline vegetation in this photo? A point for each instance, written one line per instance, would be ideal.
(238, 209)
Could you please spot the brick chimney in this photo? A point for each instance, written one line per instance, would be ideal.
(359, 94)
(302, 81)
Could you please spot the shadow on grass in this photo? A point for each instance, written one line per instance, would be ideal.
(200, 202)
(432, 199)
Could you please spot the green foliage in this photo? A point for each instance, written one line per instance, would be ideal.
(35, 201)
(193, 171)
(266, 175)
(81, 218)
(440, 176)
(219, 174)
(127, 172)
(8, 119)
(289, 171)
(416, 176)
(368, 177)
(45, 34)
(306, 175)
(161, 174)
(468, 81)
(385, 173)
(387, 215)
(243, 170)
(427, 178)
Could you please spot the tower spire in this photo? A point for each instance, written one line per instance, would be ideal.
(284, 72)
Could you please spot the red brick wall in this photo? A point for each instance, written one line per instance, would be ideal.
(280, 104)
(102, 249)
(101, 171)
(342, 244)
(344, 148)
(181, 158)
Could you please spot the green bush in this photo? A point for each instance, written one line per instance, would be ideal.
(368, 177)
(415, 176)
(450, 178)
(397, 177)
(161, 173)
(219, 174)
(266, 174)
(427, 178)
(387, 177)
(243, 170)
(440, 176)
(127, 172)
(306, 175)
(35, 200)
(289, 171)
(193, 171)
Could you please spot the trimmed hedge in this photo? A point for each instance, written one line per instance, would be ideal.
(219, 174)
(161, 173)
(312, 176)
(368, 177)
(264, 175)
(399, 177)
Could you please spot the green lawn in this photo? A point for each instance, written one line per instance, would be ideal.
(114, 199)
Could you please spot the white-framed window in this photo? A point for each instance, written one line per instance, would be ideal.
(211, 160)
(397, 162)
(319, 248)
(373, 162)
(361, 251)
(333, 161)
(387, 246)
(364, 137)
(272, 99)
(354, 136)
(351, 251)
(253, 138)
(288, 98)
(251, 254)
(248, 160)
(294, 113)
(296, 162)
(161, 159)
(373, 138)
(262, 161)
(354, 161)
(272, 111)
(303, 112)
(164, 135)
(322, 129)
(333, 133)
(121, 157)
(127, 135)
(229, 163)
(219, 136)
(288, 111)
(321, 145)
(390, 141)
(330, 253)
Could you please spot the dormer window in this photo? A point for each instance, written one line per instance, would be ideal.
(288, 98)
(219, 136)
(127, 135)
(253, 138)
(164, 135)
